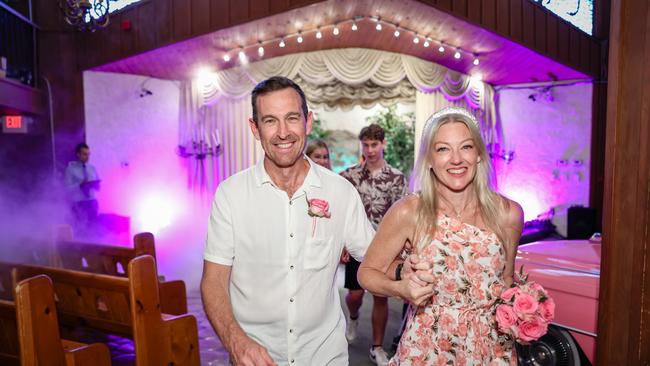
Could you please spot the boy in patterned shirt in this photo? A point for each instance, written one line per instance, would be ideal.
(379, 185)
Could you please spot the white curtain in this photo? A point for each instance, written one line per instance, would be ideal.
(220, 104)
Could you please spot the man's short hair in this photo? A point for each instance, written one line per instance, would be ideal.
(372, 132)
(81, 145)
(272, 84)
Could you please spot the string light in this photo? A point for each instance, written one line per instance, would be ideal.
(336, 31)
(242, 56)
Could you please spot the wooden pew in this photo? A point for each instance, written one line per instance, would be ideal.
(125, 306)
(30, 331)
(114, 260)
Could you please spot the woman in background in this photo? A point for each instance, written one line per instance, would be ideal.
(468, 234)
(318, 151)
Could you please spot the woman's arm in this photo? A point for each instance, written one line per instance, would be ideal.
(513, 223)
(396, 229)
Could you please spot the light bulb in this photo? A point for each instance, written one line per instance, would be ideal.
(299, 39)
(426, 43)
(260, 51)
(441, 49)
(242, 57)
(396, 33)
(282, 44)
(354, 26)
(416, 40)
(476, 61)
(457, 55)
(226, 57)
(335, 31)
(319, 35)
(378, 26)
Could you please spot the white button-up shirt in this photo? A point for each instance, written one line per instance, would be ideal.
(282, 287)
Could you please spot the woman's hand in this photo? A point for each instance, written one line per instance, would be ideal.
(417, 288)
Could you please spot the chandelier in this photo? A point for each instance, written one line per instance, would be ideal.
(86, 15)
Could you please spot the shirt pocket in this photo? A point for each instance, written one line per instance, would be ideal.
(318, 253)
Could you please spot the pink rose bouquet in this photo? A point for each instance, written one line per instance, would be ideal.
(524, 310)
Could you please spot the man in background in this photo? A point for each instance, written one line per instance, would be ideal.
(82, 184)
(379, 185)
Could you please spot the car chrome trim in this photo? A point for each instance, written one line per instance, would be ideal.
(575, 329)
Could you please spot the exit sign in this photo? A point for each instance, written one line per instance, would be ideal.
(15, 124)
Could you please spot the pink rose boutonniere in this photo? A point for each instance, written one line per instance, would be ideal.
(317, 208)
(524, 310)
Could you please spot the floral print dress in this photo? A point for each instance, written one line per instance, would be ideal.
(457, 326)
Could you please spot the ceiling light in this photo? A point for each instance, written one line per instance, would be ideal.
(396, 33)
(335, 31)
(441, 49)
(260, 50)
(282, 44)
(299, 39)
(426, 43)
(86, 15)
(354, 26)
(319, 35)
(476, 61)
(226, 57)
(416, 40)
(242, 57)
(457, 55)
(378, 26)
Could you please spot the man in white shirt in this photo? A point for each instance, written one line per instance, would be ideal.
(274, 239)
(82, 184)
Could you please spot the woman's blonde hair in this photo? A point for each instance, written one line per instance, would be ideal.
(490, 203)
(315, 144)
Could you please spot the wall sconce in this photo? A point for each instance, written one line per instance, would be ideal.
(495, 151)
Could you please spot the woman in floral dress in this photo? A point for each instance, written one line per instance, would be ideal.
(464, 235)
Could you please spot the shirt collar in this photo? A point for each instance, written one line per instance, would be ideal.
(313, 178)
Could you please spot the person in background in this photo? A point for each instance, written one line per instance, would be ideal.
(82, 184)
(380, 185)
(467, 232)
(318, 151)
(274, 237)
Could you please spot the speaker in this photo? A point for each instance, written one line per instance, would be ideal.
(582, 222)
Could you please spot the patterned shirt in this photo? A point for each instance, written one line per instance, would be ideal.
(379, 191)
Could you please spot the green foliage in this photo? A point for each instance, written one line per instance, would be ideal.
(400, 135)
(317, 130)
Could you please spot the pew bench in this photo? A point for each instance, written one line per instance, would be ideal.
(129, 307)
(30, 335)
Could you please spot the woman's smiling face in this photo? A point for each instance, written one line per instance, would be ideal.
(454, 156)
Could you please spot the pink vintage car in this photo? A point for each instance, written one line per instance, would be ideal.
(570, 271)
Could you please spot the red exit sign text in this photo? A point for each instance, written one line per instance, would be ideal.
(14, 124)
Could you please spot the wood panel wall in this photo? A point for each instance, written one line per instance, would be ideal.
(624, 309)
(533, 26)
(156, 23)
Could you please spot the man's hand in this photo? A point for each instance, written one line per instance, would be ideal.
(345, 256)
(247, 352)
